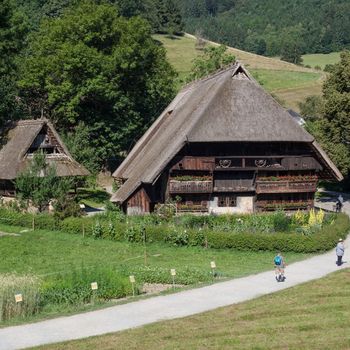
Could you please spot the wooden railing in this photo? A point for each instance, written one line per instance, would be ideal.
(236, 188)
(8, 193)
(192, 208)
(286, 205)
(285, 186)
(190, 186)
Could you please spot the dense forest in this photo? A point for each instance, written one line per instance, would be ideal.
(271, 27)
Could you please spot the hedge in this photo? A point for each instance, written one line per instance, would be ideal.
(109, 227)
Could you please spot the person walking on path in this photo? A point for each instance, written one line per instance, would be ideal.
(339, 250)
(279, 267)
(339, 204)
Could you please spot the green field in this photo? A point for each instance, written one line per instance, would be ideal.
(45, 253)
(181, 52)
(274, 81)
(57, 256)
(320, 59)
(288, 82)
(315, 316)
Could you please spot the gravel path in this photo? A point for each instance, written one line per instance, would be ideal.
(167, 307)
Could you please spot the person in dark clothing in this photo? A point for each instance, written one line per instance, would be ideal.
(339, 250)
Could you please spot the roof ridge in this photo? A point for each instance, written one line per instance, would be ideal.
(211, 75)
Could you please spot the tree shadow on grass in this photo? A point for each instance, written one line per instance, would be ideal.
(92, 196)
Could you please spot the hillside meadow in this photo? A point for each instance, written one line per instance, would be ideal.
(321, 59)
(290, 83)
(315, 315)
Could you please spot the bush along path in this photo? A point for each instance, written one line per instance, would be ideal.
(165, 307)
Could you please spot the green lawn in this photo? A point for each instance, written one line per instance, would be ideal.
(44, 252)
(320, 59)
(315, 316)
(276, 80)
(93, 197)
(181, 52)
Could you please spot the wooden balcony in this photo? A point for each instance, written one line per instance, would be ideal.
(285, 205)
(285, 186)
(234, 189)
(190, 207)
(190, 186)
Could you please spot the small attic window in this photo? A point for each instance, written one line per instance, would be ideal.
(43, 143)
(240, 74)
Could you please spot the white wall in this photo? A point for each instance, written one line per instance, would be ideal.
(245, 204)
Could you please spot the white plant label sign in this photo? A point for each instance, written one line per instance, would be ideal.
(173, 272)
(94, 286)
(213, 265)
(18, 298)
(132, 278)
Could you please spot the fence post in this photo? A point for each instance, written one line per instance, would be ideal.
(33, 223)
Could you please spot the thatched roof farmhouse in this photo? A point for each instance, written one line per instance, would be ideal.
(22, 139)
(226, 129)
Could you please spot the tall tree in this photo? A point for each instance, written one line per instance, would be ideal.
(146, 9)
(13, 30)
(169, 17)
(92, 66)
(333, 130)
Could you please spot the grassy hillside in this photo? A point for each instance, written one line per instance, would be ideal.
(320, 59)
(288, 82)
(315, 315)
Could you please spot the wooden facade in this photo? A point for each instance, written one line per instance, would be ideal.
(139, 203)
(284, 176)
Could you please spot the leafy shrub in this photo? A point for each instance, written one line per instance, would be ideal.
(177, 237)
(77, 225)
(322, 240)
(97, 230)
(196, 238)
(134, 234)
(111, 231)
(281, 222)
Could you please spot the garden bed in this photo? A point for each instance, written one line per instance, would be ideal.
(275, 231)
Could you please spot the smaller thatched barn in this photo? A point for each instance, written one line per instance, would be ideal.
(19, 143)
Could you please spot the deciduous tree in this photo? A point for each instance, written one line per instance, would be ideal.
(91, 65)
(333, 129)
(213, 59)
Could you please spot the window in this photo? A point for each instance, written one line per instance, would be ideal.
(222, 202)
(227, 201)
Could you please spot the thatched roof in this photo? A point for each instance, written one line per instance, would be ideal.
(14, 157)
(228, 106)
